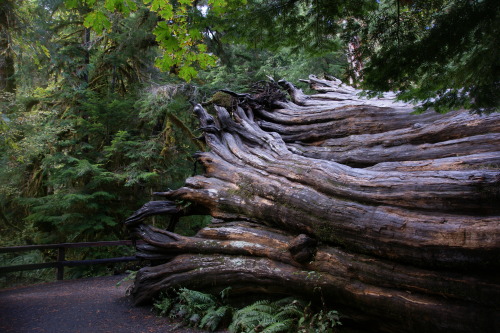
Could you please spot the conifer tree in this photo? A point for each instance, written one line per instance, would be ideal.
(7, 23)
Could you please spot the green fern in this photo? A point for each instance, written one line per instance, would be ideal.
(195, 300)
(285, 315)
(266, 316)
(324, 321)
(214, 316)
(194, 308)
(287, 325)
(206, 311)
(163, 305)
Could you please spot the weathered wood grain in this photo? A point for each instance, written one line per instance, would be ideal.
(389, 214)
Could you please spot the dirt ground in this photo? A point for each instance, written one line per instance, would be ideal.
(78, 306)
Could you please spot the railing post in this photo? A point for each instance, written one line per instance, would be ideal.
(60, 263)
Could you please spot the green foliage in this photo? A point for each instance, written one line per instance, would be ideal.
(98, 21)
(13, 279)
(178, 32)
(443, 53)
(203, 310)
(194, 308)
(285, 315)
(244, 66)
(86, 161)
(183, 36)
(322, 321)
(310, 26)
(130, 277)
(163, 305)
(75, 156)
(263, 316)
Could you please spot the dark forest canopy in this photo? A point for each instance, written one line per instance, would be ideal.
(442, 52)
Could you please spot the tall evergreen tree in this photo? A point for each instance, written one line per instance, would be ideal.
(8, 21)
(442, 53)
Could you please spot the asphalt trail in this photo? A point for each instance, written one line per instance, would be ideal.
(78, 306)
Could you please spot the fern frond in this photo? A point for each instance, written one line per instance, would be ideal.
(249, 317)
(289, 311)
(213, 317)
(163, 305)
(268, 318)
(262, 307)
(286, 315)
(196, 300)
(224, 293)
(288, 300)
(281, 326)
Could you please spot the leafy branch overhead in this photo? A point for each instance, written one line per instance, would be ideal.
(179, 31)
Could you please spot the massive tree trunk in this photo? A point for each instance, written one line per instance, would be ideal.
(391, 217)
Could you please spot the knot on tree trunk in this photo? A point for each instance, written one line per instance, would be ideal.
(302, 248)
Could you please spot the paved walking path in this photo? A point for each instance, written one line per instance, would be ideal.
(78, 306)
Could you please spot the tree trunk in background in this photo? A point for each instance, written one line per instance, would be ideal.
(392, 218)
(7, 82)
(354, 60)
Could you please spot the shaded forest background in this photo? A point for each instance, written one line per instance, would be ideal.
(95, 95)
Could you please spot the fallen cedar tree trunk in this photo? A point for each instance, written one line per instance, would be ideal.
(391, 217)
